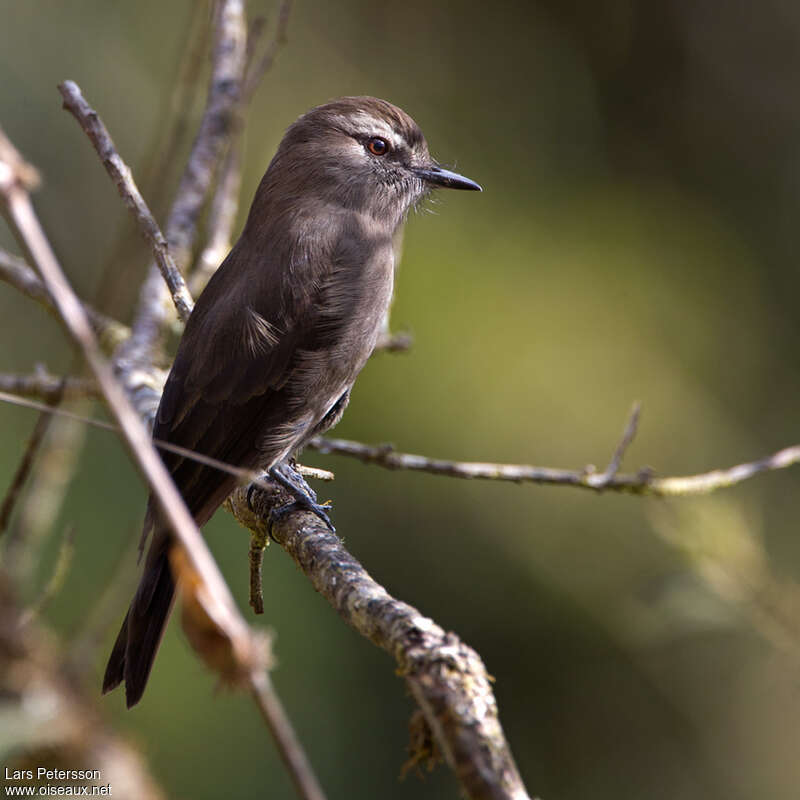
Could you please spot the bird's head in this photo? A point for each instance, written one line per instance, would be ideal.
(362, 153)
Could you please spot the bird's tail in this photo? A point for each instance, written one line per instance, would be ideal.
(138, 640)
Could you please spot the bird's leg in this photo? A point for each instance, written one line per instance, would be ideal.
(305, 499)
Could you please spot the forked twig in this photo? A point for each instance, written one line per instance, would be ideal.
(642, 483)
(122, 177)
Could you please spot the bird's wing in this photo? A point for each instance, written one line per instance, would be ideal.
(235, 357)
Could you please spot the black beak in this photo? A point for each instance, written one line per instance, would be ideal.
(443, 177)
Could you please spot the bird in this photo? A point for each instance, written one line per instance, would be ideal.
(276, 339)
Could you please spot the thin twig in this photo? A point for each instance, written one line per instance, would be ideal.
(288, 744)
(48, 387)
(14, 271)
(641, 483)
(257, 547)
(26, 462)
(446, 678)
(120, 173)
(246, 476)
(627, 437)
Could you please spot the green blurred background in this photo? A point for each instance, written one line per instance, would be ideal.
(636, 239)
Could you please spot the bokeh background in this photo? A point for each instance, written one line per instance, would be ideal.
(637, 239)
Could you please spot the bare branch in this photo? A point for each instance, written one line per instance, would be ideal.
(15, 272)
(447, 679)
(641, 483)
(244, 475)
(48, 387)
(121, 174)
(289, 746)
(707, 482)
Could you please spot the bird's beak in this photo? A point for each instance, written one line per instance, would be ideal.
(437, 176)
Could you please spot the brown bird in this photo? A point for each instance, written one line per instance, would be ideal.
(283, 328)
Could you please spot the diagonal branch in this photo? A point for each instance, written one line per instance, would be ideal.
(446, 677)
(120, 173)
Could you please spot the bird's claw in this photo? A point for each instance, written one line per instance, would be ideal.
(304, 497)
(301, 504)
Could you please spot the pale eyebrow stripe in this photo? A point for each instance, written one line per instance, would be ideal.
(370, 126)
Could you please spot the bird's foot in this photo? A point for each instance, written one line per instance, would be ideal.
(305, 498)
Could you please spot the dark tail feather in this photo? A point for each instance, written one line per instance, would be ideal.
(115, 669)
(136, 646)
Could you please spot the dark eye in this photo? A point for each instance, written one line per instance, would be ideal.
(378, 146)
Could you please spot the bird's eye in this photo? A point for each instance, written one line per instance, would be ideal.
(378, 146)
